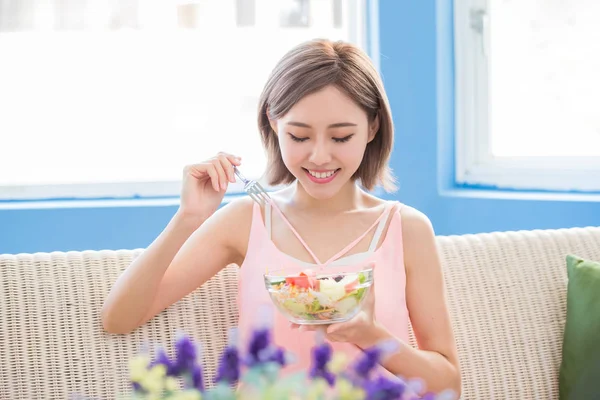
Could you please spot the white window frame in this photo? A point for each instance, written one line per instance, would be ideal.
(475, 165)
(356, 10)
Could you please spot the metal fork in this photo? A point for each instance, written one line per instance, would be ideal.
(253, 188)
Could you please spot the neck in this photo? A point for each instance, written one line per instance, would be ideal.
(348, 198)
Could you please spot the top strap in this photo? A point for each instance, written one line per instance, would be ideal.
(380, 220)
(272, 203)
(379, 231)
(268, 218)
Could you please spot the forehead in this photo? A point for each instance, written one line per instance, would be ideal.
(327, 105)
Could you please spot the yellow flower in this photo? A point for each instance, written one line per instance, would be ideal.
(171, 384)
(346, 391)
(317, 389)
(138, 367)
(338, 363)
(154, 381)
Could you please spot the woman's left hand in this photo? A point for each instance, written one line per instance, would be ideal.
(362, 330)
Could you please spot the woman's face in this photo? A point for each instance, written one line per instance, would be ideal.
(322, 139)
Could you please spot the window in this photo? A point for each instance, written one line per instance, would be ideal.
(112, 99)
(527, 94)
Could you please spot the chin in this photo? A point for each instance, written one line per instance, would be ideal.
(320, 194)
(322, 191)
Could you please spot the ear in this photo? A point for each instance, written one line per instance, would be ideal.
(374, 127)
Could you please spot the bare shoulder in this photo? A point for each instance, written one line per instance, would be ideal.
(418, 236)
(415, 222)
(238, 208)
(234, 220)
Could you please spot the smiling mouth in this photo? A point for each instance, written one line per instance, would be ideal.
(321, 176)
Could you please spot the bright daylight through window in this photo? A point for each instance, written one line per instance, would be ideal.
(112, 98)
(527, 94)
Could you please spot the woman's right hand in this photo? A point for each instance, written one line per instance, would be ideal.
(204, 185)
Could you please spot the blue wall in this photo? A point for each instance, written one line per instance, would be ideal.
(415, 43)
(417, 66)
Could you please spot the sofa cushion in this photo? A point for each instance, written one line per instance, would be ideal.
(580, 366)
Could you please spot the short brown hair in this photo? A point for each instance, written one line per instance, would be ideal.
(310, 67)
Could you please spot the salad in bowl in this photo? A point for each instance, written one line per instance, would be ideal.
(316, 298)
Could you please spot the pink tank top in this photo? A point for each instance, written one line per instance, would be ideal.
(262, 254)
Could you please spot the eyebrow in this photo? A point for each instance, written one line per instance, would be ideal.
(336, 125)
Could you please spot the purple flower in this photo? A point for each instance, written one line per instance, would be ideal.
(185, 364)
(197, 379)
(384, 389)
(262, 351)
(136, 387)
(367, 362)
(321, 354)
(162, 358)
(229, 367)
(186, 354)
(258, 344)
(278, 356)
(373, 356)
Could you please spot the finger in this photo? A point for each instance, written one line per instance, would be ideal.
(311, 328)
(195, 170)
(221, 173)
(331, 329)
(214, 177)
(230, 161)
(198, 171)
(237, 160)
(231, 157)
(371, 295)
(228, 167)
(369, 305)
(334, 328)
(333, 336)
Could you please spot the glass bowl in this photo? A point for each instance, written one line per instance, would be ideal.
(312, 298)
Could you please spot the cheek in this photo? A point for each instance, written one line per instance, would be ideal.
(291, 154)
(352, 153)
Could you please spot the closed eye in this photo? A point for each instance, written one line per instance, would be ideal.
(343, 139)
(296, 138)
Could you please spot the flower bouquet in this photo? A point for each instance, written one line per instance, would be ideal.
(256, 374)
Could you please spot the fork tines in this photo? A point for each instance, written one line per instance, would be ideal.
(258, 193)
(254, 189)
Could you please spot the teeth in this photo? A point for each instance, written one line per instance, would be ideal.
(321, 175)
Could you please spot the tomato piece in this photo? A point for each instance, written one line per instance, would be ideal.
(351, 286)
(299, 281)
(316, 285)
(313, 282)
(305, 280)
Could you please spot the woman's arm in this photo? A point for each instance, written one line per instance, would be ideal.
(184, 256)
(436, 359)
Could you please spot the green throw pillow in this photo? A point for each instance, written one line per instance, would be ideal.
(579, 376)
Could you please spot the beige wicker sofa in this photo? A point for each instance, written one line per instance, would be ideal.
(506, 293)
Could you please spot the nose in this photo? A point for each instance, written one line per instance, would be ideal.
(320, 154)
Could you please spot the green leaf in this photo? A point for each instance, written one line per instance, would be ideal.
(359, 294)
(362, 278)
